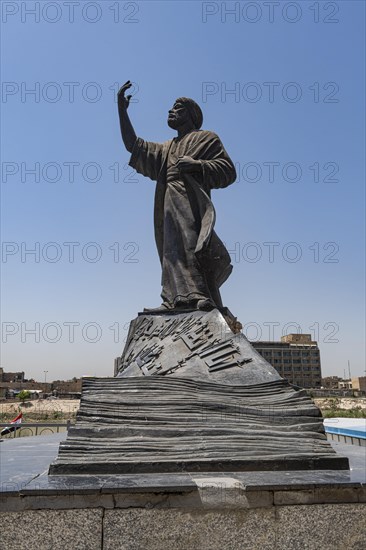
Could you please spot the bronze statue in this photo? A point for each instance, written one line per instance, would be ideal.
(181, 370)
(195, 262)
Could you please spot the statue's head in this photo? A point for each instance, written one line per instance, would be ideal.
(187, 112)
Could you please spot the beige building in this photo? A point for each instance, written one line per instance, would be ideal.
(359, 383)
(345, 384)
(296, 357)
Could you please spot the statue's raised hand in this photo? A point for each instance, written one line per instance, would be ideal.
(123, 102)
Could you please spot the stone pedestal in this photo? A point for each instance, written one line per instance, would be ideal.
(160, 424)
(198, 444)
(193, 396)
(231, 511)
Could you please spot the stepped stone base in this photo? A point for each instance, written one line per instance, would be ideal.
(159, 424)
(191, 395)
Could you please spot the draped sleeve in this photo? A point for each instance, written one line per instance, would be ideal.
(218, 169)
(147, 157)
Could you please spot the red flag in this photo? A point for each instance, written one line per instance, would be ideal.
(15, 425)
(17, 419)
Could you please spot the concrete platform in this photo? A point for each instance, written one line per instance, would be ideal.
(24, 464)
(186, 511)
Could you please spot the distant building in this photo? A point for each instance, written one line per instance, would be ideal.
(359, 383)
(331, 382)
(13, 382)
(63, 387)
(336, 383)
(11, 376)
(296, 357)
(345, 384)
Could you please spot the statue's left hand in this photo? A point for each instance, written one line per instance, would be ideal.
(187, 165)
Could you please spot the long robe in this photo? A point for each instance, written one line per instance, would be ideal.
(194, 260)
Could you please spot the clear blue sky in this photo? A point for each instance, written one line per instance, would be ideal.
(294, 125)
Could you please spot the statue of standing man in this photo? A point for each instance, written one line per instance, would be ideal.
(194, 261)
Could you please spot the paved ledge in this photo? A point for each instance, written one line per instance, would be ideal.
(25, 484)
(228, 511)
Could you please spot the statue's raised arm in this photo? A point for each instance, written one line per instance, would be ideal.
(127, 130)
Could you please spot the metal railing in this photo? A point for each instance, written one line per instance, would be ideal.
(38, 428)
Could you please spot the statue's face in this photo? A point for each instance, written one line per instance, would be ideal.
(178, 115)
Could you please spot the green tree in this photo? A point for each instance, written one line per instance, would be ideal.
(23, 395)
